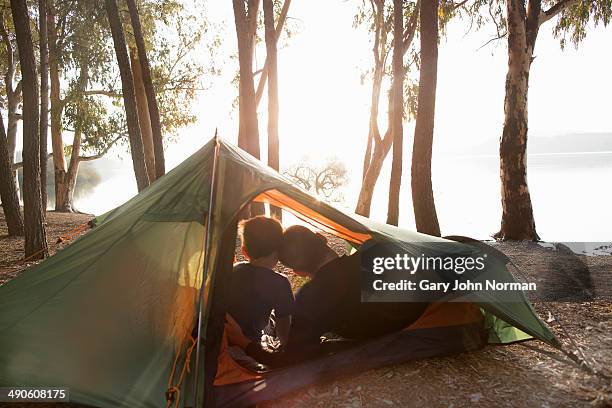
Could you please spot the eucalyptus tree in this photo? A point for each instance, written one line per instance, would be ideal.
(11, 76)
(152, 106)
(396, 109)
(425, 215)
(378, 16)
(245, 17)
(43, 46)
(129, 96)
(8, 188)
(35, 232)
(90, 110)
(520, 21)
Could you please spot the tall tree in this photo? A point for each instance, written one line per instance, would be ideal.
(379, 145)
(58, 104)
(144, 119)
(129, 99)
(422, 192)
(271, 60)
(523, 21)
(8, 188)
(158, 144)
(12, 90)
(35, 233)
(44, 97)
(397, 112)
(245, 17)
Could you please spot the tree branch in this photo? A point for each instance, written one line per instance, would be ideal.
(411, 27)
(556, 9)
(264, 72)
(103, 152)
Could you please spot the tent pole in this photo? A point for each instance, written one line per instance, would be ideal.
(207, 245)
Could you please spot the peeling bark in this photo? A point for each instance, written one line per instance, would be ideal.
(517, 213)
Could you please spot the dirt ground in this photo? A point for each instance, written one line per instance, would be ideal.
(512, 376)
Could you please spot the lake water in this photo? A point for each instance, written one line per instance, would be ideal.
(571, 195)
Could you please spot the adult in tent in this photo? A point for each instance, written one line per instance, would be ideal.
(329, 302)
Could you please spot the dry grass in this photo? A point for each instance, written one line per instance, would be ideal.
(495, 376)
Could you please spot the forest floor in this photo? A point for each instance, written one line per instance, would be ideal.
(512, 376)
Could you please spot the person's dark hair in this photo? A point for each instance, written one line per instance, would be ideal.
(261, 236)
(302, 249)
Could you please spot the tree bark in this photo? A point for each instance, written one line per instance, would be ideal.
(397, 108)
(517, 213)
(158, 143)
(57, 109)
(8, 189)
(44, 98)
(143, 116)
(129, 99)
(248, 133)
(264, 71)
(422, 192)
(271, 58)
(35, 233)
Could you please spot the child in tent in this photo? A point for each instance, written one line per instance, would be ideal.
(257, 290)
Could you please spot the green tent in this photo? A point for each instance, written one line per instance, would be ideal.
(110, 316)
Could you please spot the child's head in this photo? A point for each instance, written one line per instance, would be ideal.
(302, 250)
(261, 239)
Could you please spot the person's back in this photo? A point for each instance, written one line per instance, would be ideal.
(256, 289)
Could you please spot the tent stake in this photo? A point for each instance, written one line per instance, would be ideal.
(207, 244)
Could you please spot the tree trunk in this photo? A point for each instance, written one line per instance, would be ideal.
(35, 233)
(158, 143)
(8, 189)
(517, 214)
(13, 96)
(377, 148)
(271, 58)
(143, 116)
(57, 109)
(66, 190)
(397, 108)
(422, 192)
(264, 71)
(248, 133)
(129, 99)
(44, 98)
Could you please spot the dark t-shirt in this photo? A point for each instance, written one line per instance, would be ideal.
(331, 302)
(255, 292)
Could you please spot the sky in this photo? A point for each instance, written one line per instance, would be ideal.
(324, 106)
